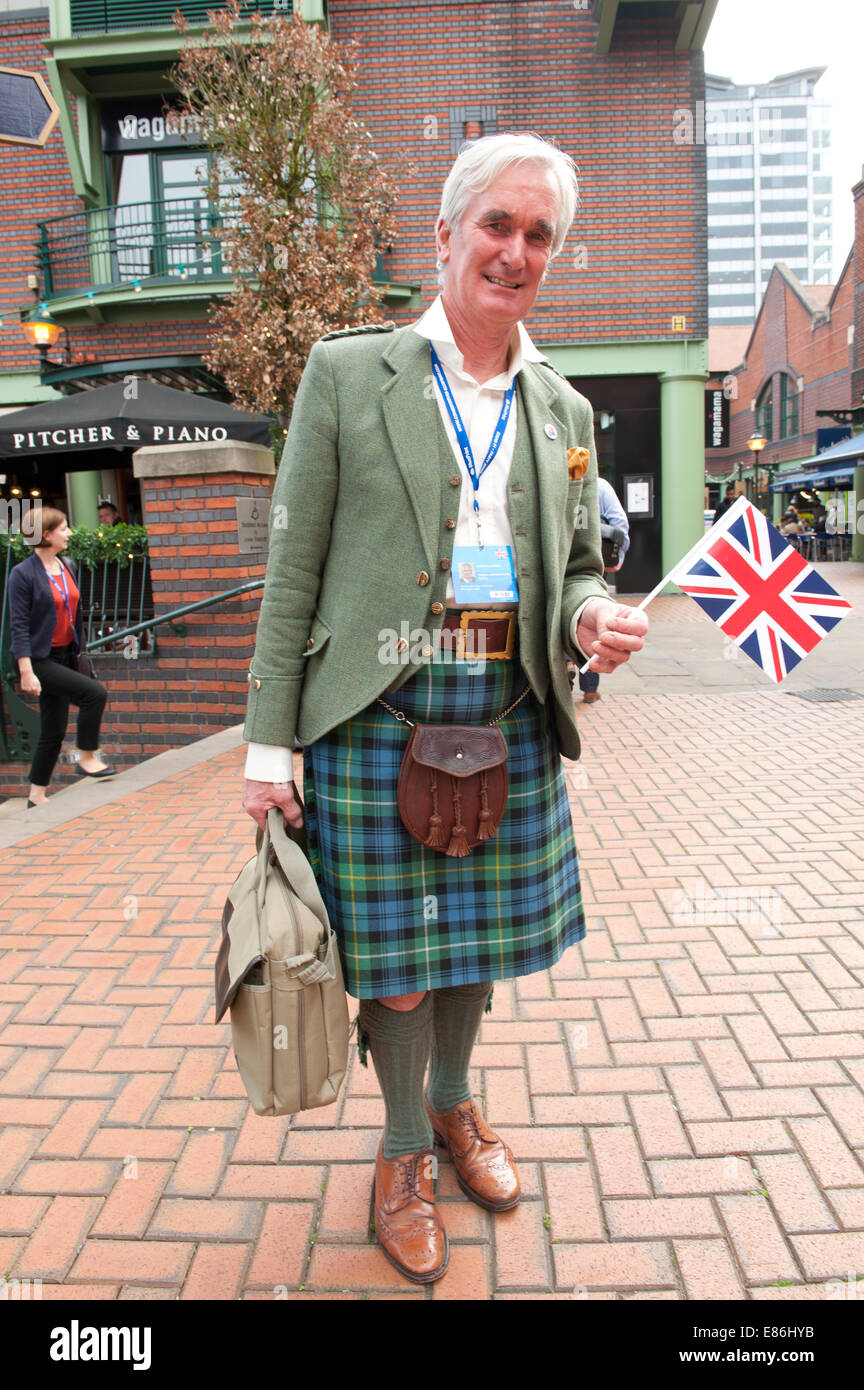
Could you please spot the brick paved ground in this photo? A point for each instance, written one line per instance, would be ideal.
(684, 1091)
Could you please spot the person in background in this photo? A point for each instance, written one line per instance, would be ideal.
(108, 514)
(47, 635)
(790, 522)
(726, 503)
(613, 514)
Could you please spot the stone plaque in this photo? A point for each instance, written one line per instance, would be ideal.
(253, 515)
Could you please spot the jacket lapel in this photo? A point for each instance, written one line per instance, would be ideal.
(411, 416)
(542, 409)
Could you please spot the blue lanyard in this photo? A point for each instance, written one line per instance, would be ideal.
(64, 591)
(461, 432)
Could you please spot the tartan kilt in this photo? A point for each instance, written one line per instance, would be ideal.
(408, 918)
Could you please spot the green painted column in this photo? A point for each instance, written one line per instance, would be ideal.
(856, 517)
(682, 460)
(84, 491)
(777, 508)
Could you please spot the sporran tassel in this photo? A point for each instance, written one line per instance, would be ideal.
(435, 838)
(485, 828)
(458, 846)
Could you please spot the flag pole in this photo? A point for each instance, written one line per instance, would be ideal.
(738, 506)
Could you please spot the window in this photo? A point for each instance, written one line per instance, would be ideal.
(765, 411)
(788, 407)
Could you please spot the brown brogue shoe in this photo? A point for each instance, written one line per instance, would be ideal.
(407, 1225)
(485, 1169)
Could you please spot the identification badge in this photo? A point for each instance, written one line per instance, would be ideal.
(482, 576)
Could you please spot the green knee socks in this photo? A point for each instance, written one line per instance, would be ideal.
(456, 1022)
(447, 1020)
(399, 1043)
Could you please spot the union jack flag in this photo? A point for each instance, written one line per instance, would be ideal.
(759, 591)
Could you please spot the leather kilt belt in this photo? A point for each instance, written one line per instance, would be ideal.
(488, 634)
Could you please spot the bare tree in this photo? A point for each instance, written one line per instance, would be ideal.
(304, 205)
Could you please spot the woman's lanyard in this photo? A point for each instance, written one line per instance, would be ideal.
(462, 434)
(64, 591)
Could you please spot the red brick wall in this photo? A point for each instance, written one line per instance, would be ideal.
(36, 184)
(785, 337)
(642, 221)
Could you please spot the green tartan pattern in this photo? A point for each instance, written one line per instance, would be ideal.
(408, 918)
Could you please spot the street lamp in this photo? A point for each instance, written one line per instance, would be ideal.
(756, 443)
(41, 329)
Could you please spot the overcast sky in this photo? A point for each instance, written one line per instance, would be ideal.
(752, 41)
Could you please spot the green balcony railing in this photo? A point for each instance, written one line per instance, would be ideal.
(137, 245)
(101, 16)
(129, 244)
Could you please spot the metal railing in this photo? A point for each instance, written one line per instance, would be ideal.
(19, 721)
(127, 243)
(130, 245)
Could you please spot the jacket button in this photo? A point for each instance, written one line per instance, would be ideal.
(401, 645)
(450, 524)
(437, 608)
(249, 678)
(310, 643)
(427, 651)
(445, 564)
(455, 480)
(422, 579)
(257, 685)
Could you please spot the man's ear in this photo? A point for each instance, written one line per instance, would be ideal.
(442, 240)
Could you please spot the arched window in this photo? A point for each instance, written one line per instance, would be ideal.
(765, 411)
(789, 413)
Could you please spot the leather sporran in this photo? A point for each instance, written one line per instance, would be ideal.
(452, 788)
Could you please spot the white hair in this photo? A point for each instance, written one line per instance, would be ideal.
(479, 163)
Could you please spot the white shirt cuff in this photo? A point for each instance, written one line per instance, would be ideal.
(265, 762)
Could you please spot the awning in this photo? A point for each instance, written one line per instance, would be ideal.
(126, 415)
(814, 478)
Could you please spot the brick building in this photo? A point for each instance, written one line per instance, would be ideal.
(799, 383)
(113, 209)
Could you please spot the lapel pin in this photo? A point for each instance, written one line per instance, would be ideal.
(551, 432)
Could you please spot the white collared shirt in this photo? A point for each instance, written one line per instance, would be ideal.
(480, 408)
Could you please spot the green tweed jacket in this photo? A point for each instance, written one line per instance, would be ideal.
(360, 546)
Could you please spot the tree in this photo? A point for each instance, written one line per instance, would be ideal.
(302, 203)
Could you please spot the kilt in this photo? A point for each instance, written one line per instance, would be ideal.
(408, 918)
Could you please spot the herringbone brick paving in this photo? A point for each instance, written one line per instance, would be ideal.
(684, 1091)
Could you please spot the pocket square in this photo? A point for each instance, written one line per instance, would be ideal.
(577, 463)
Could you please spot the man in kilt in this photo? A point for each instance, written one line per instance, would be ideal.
(438, 481)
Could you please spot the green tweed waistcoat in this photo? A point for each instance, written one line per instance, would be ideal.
(359, 546)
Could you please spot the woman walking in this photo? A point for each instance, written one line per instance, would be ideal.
(47, 635)
(439, 482)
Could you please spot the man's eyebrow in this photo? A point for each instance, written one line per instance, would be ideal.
(499, 215)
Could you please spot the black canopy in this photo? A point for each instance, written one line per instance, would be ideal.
(127, 415)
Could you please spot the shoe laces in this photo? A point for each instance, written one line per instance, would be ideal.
(408, 1174)
(469, 1119)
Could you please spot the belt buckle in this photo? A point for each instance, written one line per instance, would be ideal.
(498, 614)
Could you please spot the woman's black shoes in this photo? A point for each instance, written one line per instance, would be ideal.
(103, 771)
(30, 804)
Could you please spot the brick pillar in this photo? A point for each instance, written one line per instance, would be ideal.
(188, 495)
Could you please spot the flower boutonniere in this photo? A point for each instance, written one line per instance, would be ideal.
(577, 463)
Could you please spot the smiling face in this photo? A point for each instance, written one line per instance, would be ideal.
(495, 260)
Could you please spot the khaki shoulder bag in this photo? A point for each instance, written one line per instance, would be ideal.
(278, 970)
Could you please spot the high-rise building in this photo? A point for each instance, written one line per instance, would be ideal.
(769, 189)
